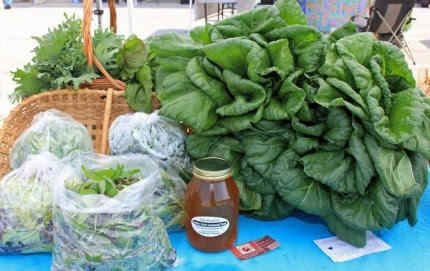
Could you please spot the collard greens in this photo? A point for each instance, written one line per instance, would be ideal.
(331, 124)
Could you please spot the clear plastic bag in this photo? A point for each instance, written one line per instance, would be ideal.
(52, 131)
(165, 192)
(26, 205)
(154, 135)
(100, 233)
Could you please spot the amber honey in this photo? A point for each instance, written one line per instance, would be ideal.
(212, 206)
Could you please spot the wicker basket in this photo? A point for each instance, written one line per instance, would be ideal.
(95, 105)
(423, 81)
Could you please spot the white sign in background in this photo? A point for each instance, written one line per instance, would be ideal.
(341, 251)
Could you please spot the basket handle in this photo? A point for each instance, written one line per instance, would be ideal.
(88, 42)
(106, 120)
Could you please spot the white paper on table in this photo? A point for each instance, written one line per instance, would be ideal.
(341, 251)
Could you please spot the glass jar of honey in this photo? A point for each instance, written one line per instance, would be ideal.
(212, 206)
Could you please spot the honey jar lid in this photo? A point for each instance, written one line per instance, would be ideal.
(212, 169)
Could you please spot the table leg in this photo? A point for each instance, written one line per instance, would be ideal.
(206, 13)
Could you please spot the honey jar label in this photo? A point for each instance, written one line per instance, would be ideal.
(210, 226)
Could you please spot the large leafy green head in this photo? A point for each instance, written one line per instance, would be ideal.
(331, 124)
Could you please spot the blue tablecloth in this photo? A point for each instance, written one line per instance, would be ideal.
(410, 248)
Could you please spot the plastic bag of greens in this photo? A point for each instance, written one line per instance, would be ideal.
(52, 131)
(102, 219)
(165, 192)
(26, 205)
(151, 134)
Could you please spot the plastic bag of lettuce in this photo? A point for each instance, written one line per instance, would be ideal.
(53, 131)
(26, 205)
(164, 191)
(157, 136)
(105, 214)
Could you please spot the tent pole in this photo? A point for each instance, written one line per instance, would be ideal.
(190, 16)
(130, 6)
(99, 13)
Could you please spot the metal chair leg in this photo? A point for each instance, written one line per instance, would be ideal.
(405, 48)
(400, 25)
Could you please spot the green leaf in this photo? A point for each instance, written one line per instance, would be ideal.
(362, 77)
(306, 44)
(248, 95)
(381, 82)
(344, 232)
(254, 179)
(131, 57)
(338, 127)
(29, 83)
(291, 12)
(302, 145)
(172, 44)
(359, 46)
(139, 95)
(230, 54)
(345, 30)
(261, 20)
(214, 88)
(275, 111)
(262, 149)
(363, 166)
(87, 192)
(420, 170)
(202, 34)
(303, 192)
(332, 169)
(404, 118)
(292, 95)
(420, 141)
(182, 101)
(348, 91)
(136, 97)
(394, 63)
(243, 122)
(166, 66)
(394, 169)
(311, 130)
(273, 208)
(375, 210)
(212, 69)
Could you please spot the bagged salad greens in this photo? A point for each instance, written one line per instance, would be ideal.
(53, 131)
(151, 134)
(330, 124)
(164, 191)
(26, 205)
(104, 215)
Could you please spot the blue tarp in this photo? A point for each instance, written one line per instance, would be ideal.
(410, 248)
